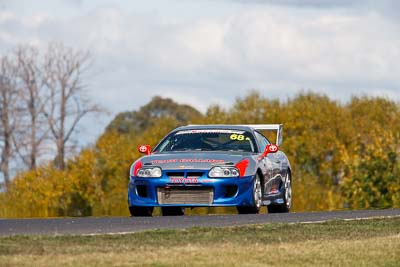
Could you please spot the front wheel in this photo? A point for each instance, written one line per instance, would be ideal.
(287, 197)
(137, 211)
(257, 199)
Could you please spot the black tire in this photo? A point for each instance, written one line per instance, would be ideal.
(172, 211)
(137, 211)
(257, 199)
(287, 198)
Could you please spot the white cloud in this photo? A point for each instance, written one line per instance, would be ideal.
(339, 49)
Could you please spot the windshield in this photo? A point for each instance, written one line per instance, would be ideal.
(208, 140)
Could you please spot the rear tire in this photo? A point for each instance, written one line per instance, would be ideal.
(172, 211)
(137, 211)
(287, 198)
(257, 199)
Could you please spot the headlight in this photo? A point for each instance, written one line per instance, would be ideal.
(149, 172)
(223, 172)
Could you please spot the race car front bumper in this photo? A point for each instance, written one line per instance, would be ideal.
(201, 191)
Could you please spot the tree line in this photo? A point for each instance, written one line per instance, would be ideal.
(344, 155)
(42, 100)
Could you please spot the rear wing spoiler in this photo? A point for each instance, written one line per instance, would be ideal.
(269, 127)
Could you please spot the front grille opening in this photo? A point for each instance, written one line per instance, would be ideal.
(185, 195)
(176, 174)
(141, 190)
(231, 190)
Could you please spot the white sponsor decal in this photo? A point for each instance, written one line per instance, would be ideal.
(210, 131)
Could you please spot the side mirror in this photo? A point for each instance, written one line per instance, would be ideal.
(270, 149)
(145, 149)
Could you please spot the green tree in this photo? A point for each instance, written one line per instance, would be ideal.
(373, 179)
(158, 107)
(373, 175)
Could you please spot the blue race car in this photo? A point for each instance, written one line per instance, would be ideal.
(209, 166)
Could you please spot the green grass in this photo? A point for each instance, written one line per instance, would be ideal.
(336, 243)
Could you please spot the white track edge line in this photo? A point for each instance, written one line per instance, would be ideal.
(306, 222)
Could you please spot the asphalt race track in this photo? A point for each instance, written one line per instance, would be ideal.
(114, 225)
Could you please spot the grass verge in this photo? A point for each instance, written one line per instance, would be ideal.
(335, 243)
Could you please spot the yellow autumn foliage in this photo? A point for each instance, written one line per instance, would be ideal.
(342, 156)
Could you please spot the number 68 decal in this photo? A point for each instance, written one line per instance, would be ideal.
(239, 137)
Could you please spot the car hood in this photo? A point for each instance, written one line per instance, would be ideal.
(194, 160)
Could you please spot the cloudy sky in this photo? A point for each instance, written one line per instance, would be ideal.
(211, 51)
